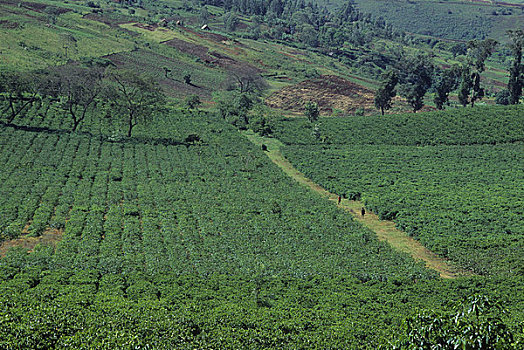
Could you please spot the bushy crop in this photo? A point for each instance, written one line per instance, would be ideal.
(458, 191)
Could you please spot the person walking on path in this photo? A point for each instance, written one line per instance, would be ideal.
(363, 211)
(339, 199)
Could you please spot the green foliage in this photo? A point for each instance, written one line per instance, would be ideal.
(476, 324)
(135, 98)
(415, 76)
(78, 90)
(18, 92)
(451, 20)
(483, 125)
(516, 71)
(503, 97)
(192, 101)
(234, 108)
(386, 92)
(478, 52)
(187, 78)
(446, 194)
(311, 111)
(444, 82)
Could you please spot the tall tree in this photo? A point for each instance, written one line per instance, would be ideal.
(311, 111)
(18, 91)
(465, 85)
(516, 71)
(416, 75)
(79, 89)
(135, 98)
(445, 81)
(386, 91)
(478, 53)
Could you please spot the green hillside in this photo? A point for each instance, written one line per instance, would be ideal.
(456, 20)
(207, 245)
(135, 213)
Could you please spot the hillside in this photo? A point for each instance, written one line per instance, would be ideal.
(455, 20)
(216, 175)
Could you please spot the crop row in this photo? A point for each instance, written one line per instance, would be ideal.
(463, 202)
(464, 126)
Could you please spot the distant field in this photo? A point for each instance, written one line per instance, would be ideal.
(448, 19)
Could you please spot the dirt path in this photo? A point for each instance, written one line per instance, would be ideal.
(384, 229)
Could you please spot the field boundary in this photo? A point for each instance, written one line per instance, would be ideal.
(384, 229)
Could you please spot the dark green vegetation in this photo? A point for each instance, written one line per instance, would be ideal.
(178, 244)
(453, 180)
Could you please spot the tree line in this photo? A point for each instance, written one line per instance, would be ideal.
(416, 75)
(79, 91)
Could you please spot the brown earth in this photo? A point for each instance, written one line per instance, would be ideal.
(38, 7)
(50, 237)
(328, 91)
(212, 57)
(150, 27)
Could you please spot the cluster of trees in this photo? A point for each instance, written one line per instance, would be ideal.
(416, 75)
(79, 91)
(305, 22)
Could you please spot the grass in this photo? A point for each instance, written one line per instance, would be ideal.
(36, 45)
(384, 229)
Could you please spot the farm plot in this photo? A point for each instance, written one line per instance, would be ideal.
(462, 201)
(217, 207)
(170, 244)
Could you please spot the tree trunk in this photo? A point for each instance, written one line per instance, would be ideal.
(75, 124)
(131, 125)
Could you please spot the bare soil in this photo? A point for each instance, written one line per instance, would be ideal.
(111, 22)
(50, 237)
(212, 57)
(328, 91)
(38, 7)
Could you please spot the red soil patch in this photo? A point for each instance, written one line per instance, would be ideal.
(150, 27)
(329, 91)
(49, 238)
(211, 57)
(207, 35)
(38, 7)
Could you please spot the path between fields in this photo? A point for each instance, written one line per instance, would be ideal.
(384, 229)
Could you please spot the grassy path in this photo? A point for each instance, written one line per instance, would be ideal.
(384, 229)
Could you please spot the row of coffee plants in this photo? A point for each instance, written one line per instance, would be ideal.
(215, 207)
(464, 126)
(461, 198)
(44, 307)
